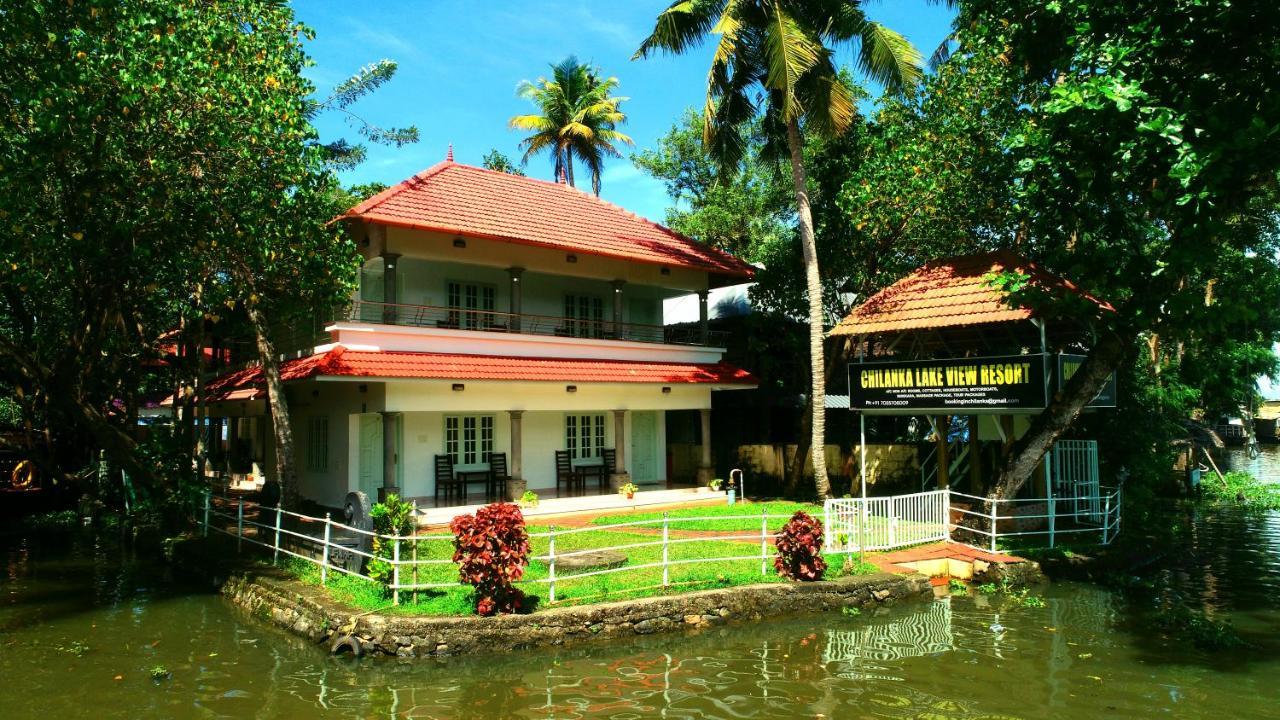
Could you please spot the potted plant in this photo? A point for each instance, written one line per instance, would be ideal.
(629, 490)
(529, 499)
(715, 485)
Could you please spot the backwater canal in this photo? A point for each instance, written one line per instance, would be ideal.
(82, 625)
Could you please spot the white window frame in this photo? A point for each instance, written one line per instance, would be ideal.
(585, 436)
(584, 315)
(471, 304)
(318, 444)
(468, 439)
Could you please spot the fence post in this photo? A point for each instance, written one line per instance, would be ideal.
(239, 524)
(275, 559)
(666, 573)
(395, 571)
(551, 562)
(995, 518)
(324, 552)
(208, 495)
(946, 515)
(1106, 521)
(764, 540)
(414, 551)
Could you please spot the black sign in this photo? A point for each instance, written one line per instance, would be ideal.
(963, 386)
(1067, 366)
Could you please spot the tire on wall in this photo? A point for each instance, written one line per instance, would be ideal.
(356, 513)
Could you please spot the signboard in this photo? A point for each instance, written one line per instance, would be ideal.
(962, 386)
(1067, 366)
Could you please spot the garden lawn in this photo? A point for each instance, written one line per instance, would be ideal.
(743, 516)
(732, 563)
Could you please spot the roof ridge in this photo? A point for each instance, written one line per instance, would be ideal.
(370, 203)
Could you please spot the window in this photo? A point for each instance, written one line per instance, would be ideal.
(584, 315)
(318, 444)
(584, 436)
(468, 439)
(471, 305)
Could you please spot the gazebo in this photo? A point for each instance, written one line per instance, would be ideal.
(948, 341)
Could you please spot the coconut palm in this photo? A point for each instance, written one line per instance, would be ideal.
(777, 57)
(577, 118)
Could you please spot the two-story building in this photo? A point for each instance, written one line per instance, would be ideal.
(496, 314)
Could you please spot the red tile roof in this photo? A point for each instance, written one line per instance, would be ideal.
(340, 362)
(952, 292)
(460, 199)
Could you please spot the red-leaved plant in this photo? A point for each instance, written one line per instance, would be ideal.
(492, 550)
(799, 544)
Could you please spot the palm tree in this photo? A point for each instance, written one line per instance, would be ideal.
(577, 117)
(785, 48)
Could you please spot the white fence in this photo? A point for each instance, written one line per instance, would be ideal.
(424, 562)
(981, 521)
(882, 523)
(336, 547)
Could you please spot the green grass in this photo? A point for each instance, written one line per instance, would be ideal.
(749, 523)
(621, 585)
(1241, 489)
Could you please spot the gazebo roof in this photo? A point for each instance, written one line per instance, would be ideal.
(950, 293)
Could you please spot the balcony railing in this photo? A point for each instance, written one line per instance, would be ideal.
(524, 323)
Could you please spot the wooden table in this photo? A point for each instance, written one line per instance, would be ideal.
(597, 470)
(470, 477)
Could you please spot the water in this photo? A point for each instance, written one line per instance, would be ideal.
(1089, 653)
(1265, 467)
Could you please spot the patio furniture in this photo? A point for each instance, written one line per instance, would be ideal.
(473, 477)
(566, 474)
(602, 470)
(447, 480)
(498, 477)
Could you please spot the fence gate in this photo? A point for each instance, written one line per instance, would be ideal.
(891, 522)
(1075, 479)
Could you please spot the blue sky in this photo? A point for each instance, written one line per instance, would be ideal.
(460, 62)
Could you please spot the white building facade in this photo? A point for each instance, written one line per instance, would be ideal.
(497, 314)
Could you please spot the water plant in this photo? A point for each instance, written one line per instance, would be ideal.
(75, 647)
(159, 672)
(957, 587)
(799, 546)
(492, 551)
(988, 589)
(851, 611)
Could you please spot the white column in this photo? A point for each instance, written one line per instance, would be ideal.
(706, 472)
(702, 317)
(620, 475)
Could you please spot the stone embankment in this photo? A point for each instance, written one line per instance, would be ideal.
(309, 612)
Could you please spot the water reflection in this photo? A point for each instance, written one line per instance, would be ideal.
(1081, 655)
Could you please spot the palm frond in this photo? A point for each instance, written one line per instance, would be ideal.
(888, 58)
(683, 25)
(790, 52)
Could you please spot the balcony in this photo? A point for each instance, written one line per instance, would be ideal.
(453, 318)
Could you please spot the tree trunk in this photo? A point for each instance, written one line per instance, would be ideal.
(1021, 462)
(278, 405)
(568, 167)
(943, 424)
(839, 354)
(813, 281)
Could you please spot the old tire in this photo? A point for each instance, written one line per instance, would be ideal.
(345, 644)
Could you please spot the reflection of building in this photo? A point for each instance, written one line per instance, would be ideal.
(919, 634)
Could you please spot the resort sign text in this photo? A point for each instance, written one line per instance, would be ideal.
(957, 385)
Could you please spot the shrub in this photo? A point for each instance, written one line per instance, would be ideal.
(492, 550)
(799, 546)
(393, 517)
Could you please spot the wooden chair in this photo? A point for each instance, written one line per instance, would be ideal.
(447, 481)
(566, 474)
(498, 477)
(608, 466)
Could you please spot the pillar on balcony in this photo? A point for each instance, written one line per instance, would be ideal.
(516, 273)
(517, 485)
(620, 475)
(706, 471)
(390, 461)
(389, 293)
(702, 318)
(617, 308)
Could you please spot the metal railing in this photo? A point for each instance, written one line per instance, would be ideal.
(457, 318)
(883, 523)
(335, 546)
(985, 520)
